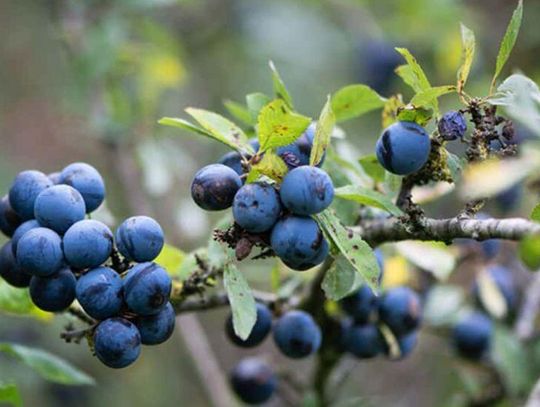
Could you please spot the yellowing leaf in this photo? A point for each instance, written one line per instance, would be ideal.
(279, 86)
(323, 133)
(491, 296)
(279, 126)
(170, 259)
(271, 165)
(434, 257)
(396, 272)
(467, 54)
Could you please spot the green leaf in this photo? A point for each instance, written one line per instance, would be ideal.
(271, 165)
(279, 86)
(419, 115)
(279, 126)
(221, 129)
(243, 307)
(341, 279)
(491, 296)
(535, 214)
(218, 254)
(47, 365)
(16, 301)
(239, 112)
(368, 197)
(255, 102)
(434, 257)
(372, 167)
(508, 41)
(351, 246)
(443, 304)
(415, 77)
(355, 100)
(512, 361)
(9, 394)
(529, 252)
(323, 133)
(428, 96)
(391, 109)
(455, 165)
(467, 55)
(171, 259)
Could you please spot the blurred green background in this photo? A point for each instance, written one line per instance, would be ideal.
(86, 80)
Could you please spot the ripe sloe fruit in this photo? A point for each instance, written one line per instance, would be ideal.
(361, 305)
(260, 331)
(24, 191)
(53, 293)
(297, 335)
(117, 342)
(452, 125)
(256, 207)
(20, 231)
(87, 244)
(10, 270)
(140, 238)
(147, 288)
(100, 292)
(403, 148)
(400, 310)
(472, 335)
(156, 329)
(364, 341)
(9, 220)
(234, 160)
(88, 181)
(215, 186)
(253, 381)
(59, 207)
(39, 252)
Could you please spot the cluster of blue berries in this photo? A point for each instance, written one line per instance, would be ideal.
(281, 213)
(399, 309)
(472, 334)
(63, 256)
(295, 334)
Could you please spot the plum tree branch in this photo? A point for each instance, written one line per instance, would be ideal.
(394, 229)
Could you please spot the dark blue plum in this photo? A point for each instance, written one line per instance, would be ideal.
(53, 293)
(88, 181)
(117, 342)
(491, 248)
(215, 186)
(20, 231)
(24, 191)
(156, 329)
(407, 343)
(378, 60)
(140, 239)
(509, 199)
(147, 288)
(307, 264)
(361, 305)
(100, 293)
(472, 335)
(400, 310)
(253, 381)
(297, 335)
(59, 207)
(297, 240)
(256, 207)
(259, 333)
(55, 177)
(502, 277)
(307, 190)
(452, 125)
(403, 148)
(39, 252)
(234, 160)
(10, 270)
(298, 153)
(9, 220)
(87, 244)
(364, 341)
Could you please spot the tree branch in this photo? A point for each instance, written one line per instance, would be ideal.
(393, 229)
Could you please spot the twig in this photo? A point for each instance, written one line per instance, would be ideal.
(80, 314)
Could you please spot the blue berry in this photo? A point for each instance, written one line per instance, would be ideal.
(53, 293)
(364, 341)
(502, 277)
(59, 207)
(100, 293)
(117, 342)
(87, 244)
(215, 186)
(361, 305)
(297, 335)
(407, 344)
(9, 220)
(55, 177)
(298, 153)
(306, 264)
(472, 335)
(253, 381)
(259, 333)
(20, 231)
(379, 60)
(256, 207)
(24, 191)
(147, 288)
(234, 160)
(297, 240)
(452, 125)
(39, 252)
(403, 148)
(307, 190)
(88, 181)
(400, 310)
(140, 239)
(156, 329)
(10, 270)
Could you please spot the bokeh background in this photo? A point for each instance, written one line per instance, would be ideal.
(86, 80)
